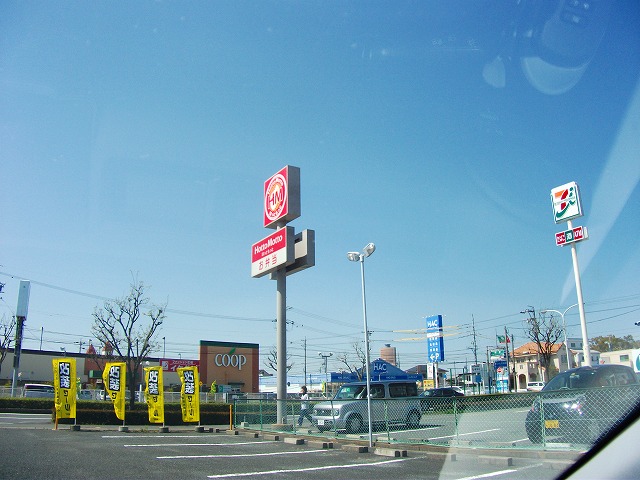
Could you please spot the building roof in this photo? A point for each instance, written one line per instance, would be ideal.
(531, 348)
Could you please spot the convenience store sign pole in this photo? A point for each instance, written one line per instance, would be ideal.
(565, 200)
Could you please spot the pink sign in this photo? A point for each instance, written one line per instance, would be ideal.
(282, 197)
(171, 364)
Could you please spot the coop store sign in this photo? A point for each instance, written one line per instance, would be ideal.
(230, 360)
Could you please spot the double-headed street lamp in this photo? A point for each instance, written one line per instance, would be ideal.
(359, 257)
(564, 328)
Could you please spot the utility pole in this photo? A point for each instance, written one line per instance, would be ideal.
(506, 343)
(325, 356)
(21, 317)
(305, 359)
(475, 349)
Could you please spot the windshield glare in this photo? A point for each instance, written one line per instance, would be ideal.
(351, 392)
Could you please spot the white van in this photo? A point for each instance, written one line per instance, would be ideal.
(534, 386)
(38, 390)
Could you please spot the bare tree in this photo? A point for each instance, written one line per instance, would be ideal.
(544, 331)
(272, 360)
(6, 337)
(129, 325)
(358, 366)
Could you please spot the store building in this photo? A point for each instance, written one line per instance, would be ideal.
(232, 365)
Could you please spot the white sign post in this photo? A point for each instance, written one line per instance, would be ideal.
(565, 200)
(273, 254)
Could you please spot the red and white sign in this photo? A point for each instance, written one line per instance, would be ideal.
(273, 252)
(170, 364)
(282, 197)
(569, 236)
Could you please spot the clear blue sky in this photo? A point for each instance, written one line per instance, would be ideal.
(136, 138)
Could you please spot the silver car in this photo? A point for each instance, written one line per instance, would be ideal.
(392, 402)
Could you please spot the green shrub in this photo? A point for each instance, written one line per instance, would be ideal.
(90, 412)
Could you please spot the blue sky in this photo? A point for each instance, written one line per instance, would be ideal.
(136, 139)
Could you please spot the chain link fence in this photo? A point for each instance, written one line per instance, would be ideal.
(573, 419)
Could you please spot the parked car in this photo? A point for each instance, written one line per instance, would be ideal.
(38, 390)
(85, 395)
(392, 402)
(535, 386)
(582, 404)
(439, 399)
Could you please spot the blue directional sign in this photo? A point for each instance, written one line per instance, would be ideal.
(435, 341)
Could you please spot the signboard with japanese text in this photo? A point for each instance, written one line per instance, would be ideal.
(114, 377)
(65, 387)
(190, 394)
(565, 200)
(435, 340)
(154, 393)
(282, 197)
(273, 252)
(172, 364)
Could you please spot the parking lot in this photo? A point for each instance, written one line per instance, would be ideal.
(34, 450)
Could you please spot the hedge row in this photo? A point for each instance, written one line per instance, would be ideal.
(102, 412)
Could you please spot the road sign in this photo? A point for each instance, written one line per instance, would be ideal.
(573, 235)
(272, 252)
(435, 341)
(500, 364)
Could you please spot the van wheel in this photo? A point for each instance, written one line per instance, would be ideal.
(413, 419)
(354, 424)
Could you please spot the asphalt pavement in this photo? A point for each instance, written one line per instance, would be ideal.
(31, 449)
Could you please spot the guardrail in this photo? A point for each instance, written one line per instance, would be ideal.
(572, 420)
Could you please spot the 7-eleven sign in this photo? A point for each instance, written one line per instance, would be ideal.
(565, 200)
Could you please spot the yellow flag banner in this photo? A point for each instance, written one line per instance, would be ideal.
(154, 393)
(64, 385)
(114, 377)
(190, 394)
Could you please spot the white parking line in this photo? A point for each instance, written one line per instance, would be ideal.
(500, 472)
(126, 435)
(172, 457)
(489, 475)
(464, 434)
(309, 469)
(133, 445)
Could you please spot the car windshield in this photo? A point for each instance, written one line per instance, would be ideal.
(281, 194)
(351, 392)
(584, 379)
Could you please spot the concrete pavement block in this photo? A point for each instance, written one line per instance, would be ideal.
(294, 441)
(355, 448)
(488, 459)
(320, 444)
(390, 452)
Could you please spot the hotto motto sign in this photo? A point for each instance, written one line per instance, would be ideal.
(282, 197)
(273, 252)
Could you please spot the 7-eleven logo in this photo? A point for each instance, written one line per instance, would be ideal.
(566, 202)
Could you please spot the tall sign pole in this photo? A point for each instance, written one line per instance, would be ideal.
(21, 317)
(565, 200)
(281, 254)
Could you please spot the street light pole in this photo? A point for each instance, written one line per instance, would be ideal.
(564, 327)
(359, 257)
